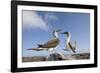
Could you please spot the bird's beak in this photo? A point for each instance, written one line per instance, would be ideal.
(63, 33)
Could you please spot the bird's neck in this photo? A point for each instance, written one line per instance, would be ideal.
(55, 35)
(68, 38)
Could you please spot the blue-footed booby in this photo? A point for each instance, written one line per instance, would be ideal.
(51, 44)
(69, 46)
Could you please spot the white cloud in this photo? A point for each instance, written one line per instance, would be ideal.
(50, 16)
(32, 20)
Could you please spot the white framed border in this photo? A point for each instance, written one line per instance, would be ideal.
(53, 63)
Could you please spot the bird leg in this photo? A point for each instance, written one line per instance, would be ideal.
(50, 51)
(54, 51)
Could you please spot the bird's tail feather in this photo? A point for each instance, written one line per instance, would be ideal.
(39, 45)
(32, 49)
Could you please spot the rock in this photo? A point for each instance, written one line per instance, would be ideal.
(34, 59)
(54, 57)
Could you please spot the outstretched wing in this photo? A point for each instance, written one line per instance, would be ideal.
(36, 49)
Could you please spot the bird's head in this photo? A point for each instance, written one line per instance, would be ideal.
(55, 32)
(66, 33)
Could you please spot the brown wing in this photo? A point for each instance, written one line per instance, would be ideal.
(52, 43)
(71, 47)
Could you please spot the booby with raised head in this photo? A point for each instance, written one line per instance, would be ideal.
(69, 46)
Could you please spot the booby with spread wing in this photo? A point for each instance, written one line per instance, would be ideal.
(51, 44)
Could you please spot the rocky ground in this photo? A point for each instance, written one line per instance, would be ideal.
(56, 57)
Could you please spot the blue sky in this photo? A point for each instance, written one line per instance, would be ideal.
(38, 27)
